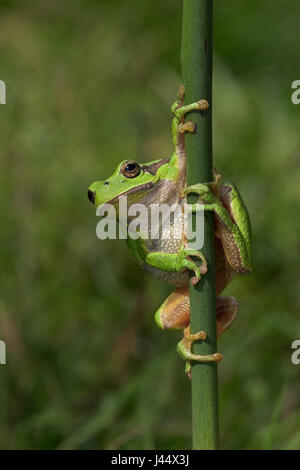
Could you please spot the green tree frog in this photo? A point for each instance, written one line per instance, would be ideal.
(171, 260)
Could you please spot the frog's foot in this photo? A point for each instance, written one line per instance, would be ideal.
(188, 126)
(184, 348)
(180, 111)
(179, 127)
(204, 191)
(174, 314)
(198, 269)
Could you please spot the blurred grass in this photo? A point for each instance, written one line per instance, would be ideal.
(90, 83)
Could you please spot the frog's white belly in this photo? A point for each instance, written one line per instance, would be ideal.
(171, 240)
(175, 279)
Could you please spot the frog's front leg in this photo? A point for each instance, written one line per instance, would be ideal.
(169, 262)
(178, 262)
(232, 221)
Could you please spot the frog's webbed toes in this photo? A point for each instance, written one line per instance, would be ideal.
(188, 126)
(226, 312)
(174, 314)
(198, 272)
(203, 105)
(184, 348)
(198, 269)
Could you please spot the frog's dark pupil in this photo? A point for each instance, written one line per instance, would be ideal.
(130, 167)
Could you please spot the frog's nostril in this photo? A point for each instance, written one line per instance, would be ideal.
(106, 183)
(91, 195)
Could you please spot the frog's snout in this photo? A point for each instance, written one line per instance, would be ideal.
(91, 195)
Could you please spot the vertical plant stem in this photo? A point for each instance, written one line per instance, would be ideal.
(197, 38)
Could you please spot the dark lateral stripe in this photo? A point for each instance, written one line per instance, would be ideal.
(152, 168)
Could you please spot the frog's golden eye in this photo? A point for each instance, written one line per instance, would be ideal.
(130, 169)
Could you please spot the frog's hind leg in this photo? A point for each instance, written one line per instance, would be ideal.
(227, 309)
(174, 314)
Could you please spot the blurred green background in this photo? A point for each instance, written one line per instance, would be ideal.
(90, 83)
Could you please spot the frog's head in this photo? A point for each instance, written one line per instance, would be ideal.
(130, 179)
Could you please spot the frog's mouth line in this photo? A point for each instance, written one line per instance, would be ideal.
(142, 187)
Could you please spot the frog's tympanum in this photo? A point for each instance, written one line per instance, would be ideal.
(164, 181)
